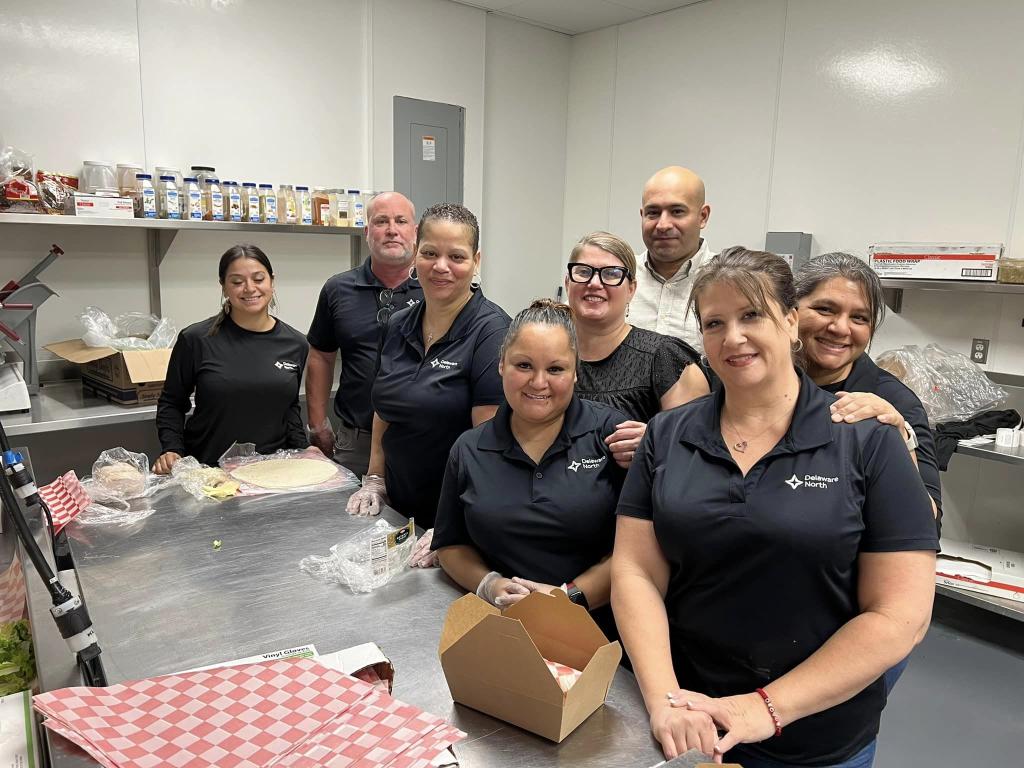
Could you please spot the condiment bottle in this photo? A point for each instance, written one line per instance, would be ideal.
(168, 206)
(192, 199)
(304, 201)
(250, 202)
(144, 196)
(233, 201)
(356, 214)
(213, 200)
(286, 204)
(268, 204)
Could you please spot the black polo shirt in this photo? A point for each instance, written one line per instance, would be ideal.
(346, 320)
(763, 568)
(548, 522)
(428, 399)
(865, 376)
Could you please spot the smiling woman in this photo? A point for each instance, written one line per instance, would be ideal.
(244, 366)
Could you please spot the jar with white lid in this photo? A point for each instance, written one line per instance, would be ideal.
(213, 200)
(125, 176)
(191, 199)
(167, 200)
(304, 203)
(144, 197)
(232, 201)
(97, 174)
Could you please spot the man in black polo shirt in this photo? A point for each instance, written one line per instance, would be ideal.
(352, 315)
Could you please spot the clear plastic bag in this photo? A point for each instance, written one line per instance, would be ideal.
(119, 480)
(366, 560)
(131, 330)
(244, 454)
(951, 387)
(203, 482)
(18, 190)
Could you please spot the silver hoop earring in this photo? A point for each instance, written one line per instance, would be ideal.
(412, 273)
(799, 346)
(226, 307)
(475, 282)
(703, 361)
(273, 301)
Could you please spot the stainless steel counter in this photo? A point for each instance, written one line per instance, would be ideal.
(63, 405)
(163, 600)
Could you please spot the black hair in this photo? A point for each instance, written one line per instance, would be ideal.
(230, 256)
(456, 214)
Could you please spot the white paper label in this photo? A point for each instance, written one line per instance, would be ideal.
(429, 149)
(359, 217)
(217, 205)
(271, 209)
(173, 211)
(254, 207)
(195, 204)
(235, 206)
(149, 203)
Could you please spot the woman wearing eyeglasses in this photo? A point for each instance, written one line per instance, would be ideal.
(438, 372)
(636, 371)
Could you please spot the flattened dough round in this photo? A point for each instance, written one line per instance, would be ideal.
(286, 473)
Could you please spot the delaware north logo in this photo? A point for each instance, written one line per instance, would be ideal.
(811, 481)
(594, 463)
(281, 366)
(444, 365)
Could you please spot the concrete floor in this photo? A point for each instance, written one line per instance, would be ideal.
(960, 702)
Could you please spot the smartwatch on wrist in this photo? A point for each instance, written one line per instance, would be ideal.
(576, 594)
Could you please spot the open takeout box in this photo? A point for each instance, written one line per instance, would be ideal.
(495, 662)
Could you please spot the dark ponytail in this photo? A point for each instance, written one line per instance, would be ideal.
(542, 312)
(231, 255)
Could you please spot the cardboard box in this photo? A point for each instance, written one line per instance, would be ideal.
(130, 377)
(978, 568)
(81, 204)
(495, 662)
(936, 261)
(18, 745)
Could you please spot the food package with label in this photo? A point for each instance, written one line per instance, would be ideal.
(18, 190)
(366, 560)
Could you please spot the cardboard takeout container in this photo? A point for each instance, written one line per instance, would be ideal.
(129, 377)
(494, 662)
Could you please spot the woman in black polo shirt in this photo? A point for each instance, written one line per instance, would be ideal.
(634, 370)
(529, 498)
(841, 307)
(438, 372)
(770, 565)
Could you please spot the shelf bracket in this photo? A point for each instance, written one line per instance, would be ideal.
(355, 251)
(893, 299)
(158, 243)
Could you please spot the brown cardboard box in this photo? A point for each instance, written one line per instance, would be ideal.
(130, 377)
(494, 662)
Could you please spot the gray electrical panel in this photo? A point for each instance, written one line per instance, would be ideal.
(794, 247)
(428, 151)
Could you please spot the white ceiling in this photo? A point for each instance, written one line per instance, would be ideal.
(573, 17)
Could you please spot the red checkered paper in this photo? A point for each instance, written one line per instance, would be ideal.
(566, 676)
(66, 498)
(12, 592)
(249, 716)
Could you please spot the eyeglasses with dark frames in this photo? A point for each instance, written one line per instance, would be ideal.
(385, 306)
(609, 276)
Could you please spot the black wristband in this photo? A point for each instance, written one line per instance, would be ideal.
(576, 595)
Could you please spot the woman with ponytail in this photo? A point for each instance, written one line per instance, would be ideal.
(528, 500)
(244, 367)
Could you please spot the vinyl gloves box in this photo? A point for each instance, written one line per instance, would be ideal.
(512, 665)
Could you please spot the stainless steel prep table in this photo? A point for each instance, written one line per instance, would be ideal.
(163, 600)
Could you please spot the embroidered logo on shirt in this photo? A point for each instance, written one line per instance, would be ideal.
(444, 365)
(412, 302)
(594, 463)
(811, 481)
(284, 366)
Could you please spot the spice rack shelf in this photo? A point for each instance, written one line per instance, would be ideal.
(160, 234)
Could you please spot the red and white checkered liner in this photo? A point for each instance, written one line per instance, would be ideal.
(12, 592)
(278, 713)
(566, 676)
(66, 498)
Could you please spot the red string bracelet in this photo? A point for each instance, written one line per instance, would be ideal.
(771, 711)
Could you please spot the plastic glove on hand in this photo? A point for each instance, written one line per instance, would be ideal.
(322, 437)
(369, 499)
(421, 556)
(499, 591)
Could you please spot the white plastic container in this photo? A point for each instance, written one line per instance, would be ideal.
(250, 202)
(97, 174)
(191, 199)
(286, 208)
(168, 205)
(126, 177)
(356, 210)
(213, 200)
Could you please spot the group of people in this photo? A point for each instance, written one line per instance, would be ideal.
(696, 448)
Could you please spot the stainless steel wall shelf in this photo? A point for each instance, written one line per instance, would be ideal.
(160, 234)
(1000, 605)
(893, 288)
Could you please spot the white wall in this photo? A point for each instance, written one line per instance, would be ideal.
(859, 122)
(312, 106)
(524, 154)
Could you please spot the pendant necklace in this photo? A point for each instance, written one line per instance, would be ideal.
(742, 444)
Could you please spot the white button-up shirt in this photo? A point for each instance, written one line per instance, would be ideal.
(660, 305)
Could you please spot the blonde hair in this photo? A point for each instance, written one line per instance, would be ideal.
(610, 244)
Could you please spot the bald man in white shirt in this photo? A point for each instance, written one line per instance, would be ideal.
(673, 215)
